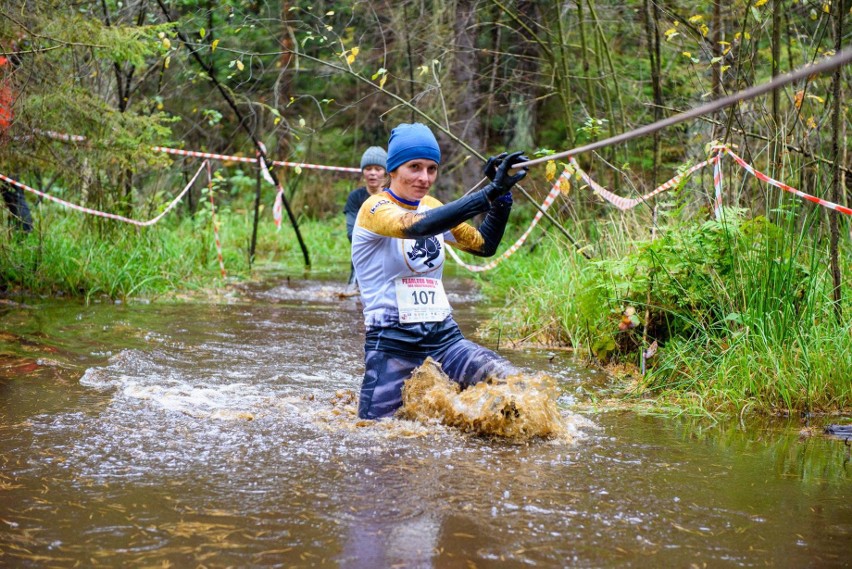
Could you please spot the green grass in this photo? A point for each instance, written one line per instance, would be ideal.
(69, 254)
(741, 310)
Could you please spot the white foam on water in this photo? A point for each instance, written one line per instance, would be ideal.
(141, 377)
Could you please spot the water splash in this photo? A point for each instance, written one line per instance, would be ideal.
(520, 407)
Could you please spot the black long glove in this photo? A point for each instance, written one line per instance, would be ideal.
(497, 170)
(494, 198)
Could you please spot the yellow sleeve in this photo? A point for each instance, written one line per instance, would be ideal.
(382, 216)
(468, 238)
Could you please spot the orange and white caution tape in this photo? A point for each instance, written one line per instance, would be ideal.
(213, 156)
(716, 159)
(772, 182)
(91, 211)
(548, 201)
(278, 205)
(717, 182)
(213, 214)
(230, 158)
(624, 204)
(629, 203)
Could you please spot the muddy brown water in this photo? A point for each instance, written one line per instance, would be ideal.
(219, 435)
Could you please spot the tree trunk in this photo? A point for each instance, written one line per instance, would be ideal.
(653, 39)
(775, 149)
(834, 220)
(465, 119)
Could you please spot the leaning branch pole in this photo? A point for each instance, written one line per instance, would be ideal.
(258, 146)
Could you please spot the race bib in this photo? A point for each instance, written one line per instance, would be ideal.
(421, 299)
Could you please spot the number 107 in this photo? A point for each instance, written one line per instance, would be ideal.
(423, 297)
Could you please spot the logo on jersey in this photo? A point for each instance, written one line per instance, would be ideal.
(426, 248)
(378, 205)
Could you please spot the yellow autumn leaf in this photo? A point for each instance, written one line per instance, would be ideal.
(240, 65)
(297, 169)
(214, 45)
(797, 99)
(570, 170)
(550, 170)
(353, 53)
(382, 81)
(276, 121)
(167, 61)
(759, 3)
(686, 54)
(826, 8)
(167, 43)
(696, 18)
(564, 185)
(812, 122)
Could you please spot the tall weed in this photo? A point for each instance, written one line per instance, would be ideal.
(741, 309)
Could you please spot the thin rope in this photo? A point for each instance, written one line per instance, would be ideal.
(842, 58)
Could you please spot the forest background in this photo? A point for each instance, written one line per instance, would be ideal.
(742, 311)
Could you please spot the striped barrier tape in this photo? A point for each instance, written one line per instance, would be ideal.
(208, 155)
(548, 201)
(629, 203)
(231, 158)
(717, 184)
(772, 182)
(278, 205)
(620, 202)
(716, 159)
(104, 214)
(213, 216)
(211, 155)
(625, 204)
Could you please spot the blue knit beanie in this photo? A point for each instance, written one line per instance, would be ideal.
(374, 156)
(409, 142)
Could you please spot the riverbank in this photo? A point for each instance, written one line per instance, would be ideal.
(718, 333)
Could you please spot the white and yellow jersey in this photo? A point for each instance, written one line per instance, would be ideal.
(399, 274)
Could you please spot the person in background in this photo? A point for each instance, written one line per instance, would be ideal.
(398, 251)
(373, 163)
(13, 196)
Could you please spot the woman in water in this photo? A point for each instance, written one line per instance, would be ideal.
(398, 254)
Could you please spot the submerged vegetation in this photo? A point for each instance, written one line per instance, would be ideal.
(742, 311)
